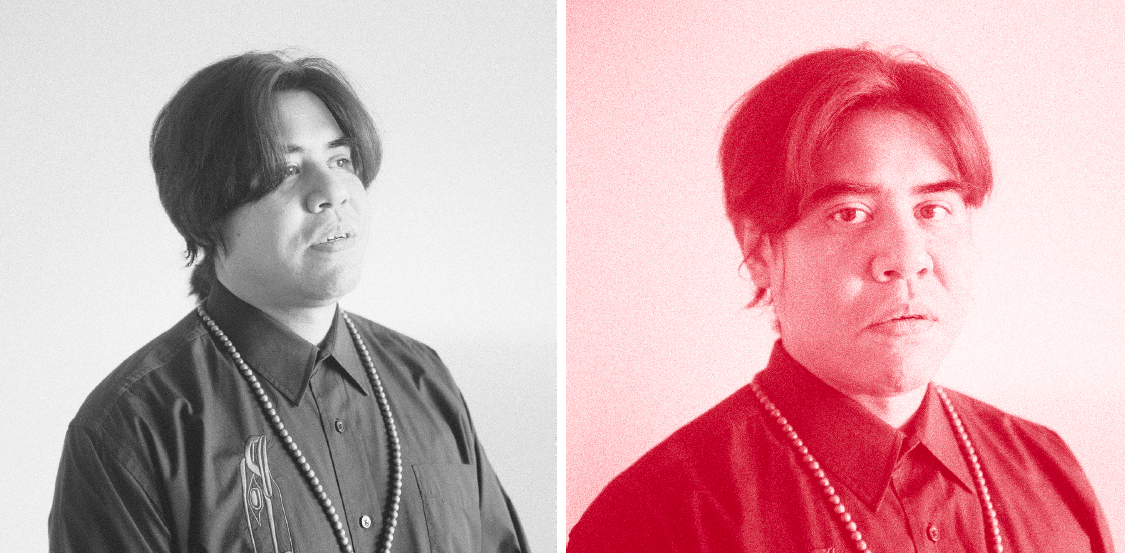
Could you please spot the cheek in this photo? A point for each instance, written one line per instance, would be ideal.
(238, 231)
(818, 285)
(955, 258)
(264, 230)
(362, 198)
(831, 269)
(363, 209)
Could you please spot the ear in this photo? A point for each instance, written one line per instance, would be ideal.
(757, 252)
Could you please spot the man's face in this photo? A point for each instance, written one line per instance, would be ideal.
(302, 245)
(871, 286)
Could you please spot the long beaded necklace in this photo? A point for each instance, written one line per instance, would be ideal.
(390, 511)
(845, 518)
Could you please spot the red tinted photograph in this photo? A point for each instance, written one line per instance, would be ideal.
(844, 277)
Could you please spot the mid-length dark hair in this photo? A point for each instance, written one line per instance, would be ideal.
(215, 147)
(779, 126)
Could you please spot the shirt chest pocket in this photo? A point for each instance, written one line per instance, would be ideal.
(450, 500)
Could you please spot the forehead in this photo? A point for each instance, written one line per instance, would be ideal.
(883, 149)
(303, 118)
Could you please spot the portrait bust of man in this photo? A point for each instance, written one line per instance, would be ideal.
(851, 179)
(268, 418)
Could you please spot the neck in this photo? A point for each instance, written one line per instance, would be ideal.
(310, 323)
(894, 410)
(894, 404)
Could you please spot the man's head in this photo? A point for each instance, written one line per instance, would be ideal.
(258, 160)
(850, 180)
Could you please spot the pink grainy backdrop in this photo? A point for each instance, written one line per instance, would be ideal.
(656, 329)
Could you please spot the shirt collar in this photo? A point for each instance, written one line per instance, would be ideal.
(278, 354)
(931, 428)
(855, 446)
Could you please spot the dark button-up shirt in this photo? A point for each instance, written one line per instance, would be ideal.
(730, 481)
(172, 451)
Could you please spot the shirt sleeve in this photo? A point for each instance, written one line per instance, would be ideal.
(501, 530)
(624, 518)
(99, 505)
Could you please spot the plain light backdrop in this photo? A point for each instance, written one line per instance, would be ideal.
(464, 258)
(656, 328)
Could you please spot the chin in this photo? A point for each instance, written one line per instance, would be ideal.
(906, 380)
(329, 290)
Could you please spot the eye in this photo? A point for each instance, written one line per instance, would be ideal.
(933, 212)
(343, 162)
(291, 169)
(851, 215)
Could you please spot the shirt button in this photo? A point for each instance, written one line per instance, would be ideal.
(365, 521)
(932, 531)
(339, 426)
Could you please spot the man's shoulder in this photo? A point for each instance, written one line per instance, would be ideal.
(169, 357)
(703, 450)
(718, 460)
(733, 422)
(398, 349)
(388, 337)
(995, 420)
(1014, 440)
(1015, 450)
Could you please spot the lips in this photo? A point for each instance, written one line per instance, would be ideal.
(909, 318)
(904, 311)
(904, 320)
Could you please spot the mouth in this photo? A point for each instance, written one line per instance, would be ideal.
(903, 323)
(909, 318)
(335, 241)
(337, 237)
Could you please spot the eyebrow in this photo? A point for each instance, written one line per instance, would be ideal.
(838, 188)
(343, 141)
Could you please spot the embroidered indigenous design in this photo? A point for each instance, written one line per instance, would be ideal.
(262, 499)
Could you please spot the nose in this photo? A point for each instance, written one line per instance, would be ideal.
(326, 189)
(901, 251)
